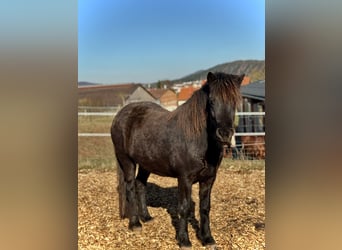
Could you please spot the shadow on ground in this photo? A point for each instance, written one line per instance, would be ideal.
(167, 198)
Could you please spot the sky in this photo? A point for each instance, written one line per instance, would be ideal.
(144, 41)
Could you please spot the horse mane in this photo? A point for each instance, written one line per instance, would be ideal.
(226, 88)
(192, 115)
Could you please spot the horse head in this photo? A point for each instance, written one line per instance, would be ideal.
(223, 97)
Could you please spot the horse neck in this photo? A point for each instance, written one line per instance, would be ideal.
(201, 132)
(191, 117)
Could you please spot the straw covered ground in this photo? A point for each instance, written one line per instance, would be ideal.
(237, 212)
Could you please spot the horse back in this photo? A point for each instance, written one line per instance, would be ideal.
(140, 129)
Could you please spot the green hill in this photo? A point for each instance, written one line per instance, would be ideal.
(255, 69)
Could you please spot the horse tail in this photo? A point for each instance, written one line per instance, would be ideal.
(123, 209)
(121, 188)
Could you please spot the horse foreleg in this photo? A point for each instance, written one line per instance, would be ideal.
(204, 194)
(140, 183)
(184, 200)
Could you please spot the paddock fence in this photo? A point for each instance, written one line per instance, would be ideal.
(249, 134)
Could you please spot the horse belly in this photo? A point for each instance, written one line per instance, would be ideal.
(153, 156)
(157, 165)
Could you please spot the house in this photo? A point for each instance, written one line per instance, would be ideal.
(166, 98)
(185, 93)
(113, 95)
(253, 100)
(245, 81)
(254, 91)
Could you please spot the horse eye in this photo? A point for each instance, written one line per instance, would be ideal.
(212, 109)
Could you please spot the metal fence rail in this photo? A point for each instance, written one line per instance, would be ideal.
(97, 113)
(114, 113)
(108, 134)
(250, 149)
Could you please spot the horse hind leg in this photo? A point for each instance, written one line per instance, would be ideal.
(140, 186)
(127, 196)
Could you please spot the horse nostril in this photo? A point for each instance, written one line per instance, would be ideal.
(224, 134)
(218, 134)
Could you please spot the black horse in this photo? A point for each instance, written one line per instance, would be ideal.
(186, 144)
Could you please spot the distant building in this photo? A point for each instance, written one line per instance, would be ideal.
(166, 98)
(186, 89)
(113, 95)
(246, 80)
(185, 93)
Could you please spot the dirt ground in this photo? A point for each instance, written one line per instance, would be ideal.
(237, 212)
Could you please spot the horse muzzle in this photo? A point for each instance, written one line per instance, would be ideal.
(224, 136)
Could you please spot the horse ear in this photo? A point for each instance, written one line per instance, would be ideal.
(240, 79)
(211, 77)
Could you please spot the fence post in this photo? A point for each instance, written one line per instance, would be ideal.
(258, 119)
(247, 119)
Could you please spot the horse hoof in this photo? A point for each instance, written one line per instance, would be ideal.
(147, 219)
(185, 248)
(136, 229)
(211, 247)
